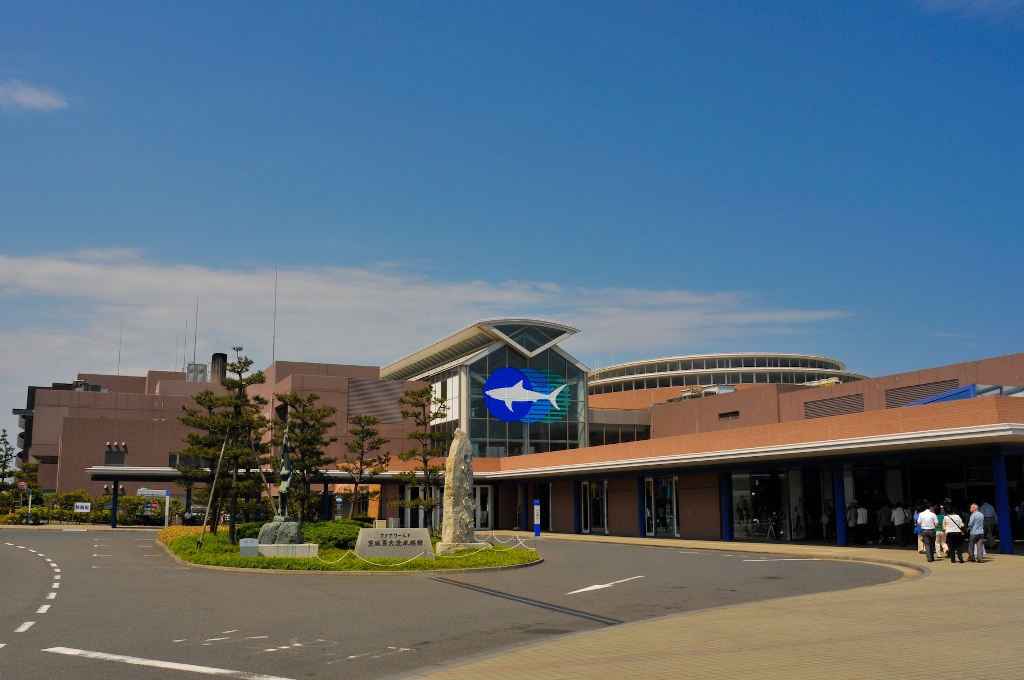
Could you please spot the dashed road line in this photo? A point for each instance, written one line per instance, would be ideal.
(43, 609)
(155, 663)
(25, 626)
(51, 596)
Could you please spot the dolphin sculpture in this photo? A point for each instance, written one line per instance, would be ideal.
(519, 393)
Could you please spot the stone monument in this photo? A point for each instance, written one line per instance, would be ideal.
(457, 528)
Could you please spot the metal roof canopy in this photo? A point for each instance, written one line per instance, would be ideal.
(1002, 433)
(528, 337)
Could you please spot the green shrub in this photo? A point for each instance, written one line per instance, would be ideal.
(248, 530)
(338, 533)
(364, 521)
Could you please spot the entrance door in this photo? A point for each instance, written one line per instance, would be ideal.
(585, 507)
(665, 507)
(598, 509)
(483, 507)
(413, 516)
(650, 506)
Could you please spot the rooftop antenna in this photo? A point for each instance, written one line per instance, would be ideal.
(184, 348)
(175, 352)
(119, 336)
(273, 339)
(195, 332)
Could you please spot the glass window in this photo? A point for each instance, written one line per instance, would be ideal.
(627, 433)
(651, 383)
(616, 387)
(748, 362)
(478, 428)
(685, 365)
(630, 370)
(761, 377)
(673, 365)
(677, 381)
(698, 364)
(748, 377)
(611, 434)
(719, 379)
(705, 379)
(774, 377)
(761, 362)
(691, 380)
(662, 368)
(664, 382)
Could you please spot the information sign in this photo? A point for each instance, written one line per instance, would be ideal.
(83, 507)
(536, 517)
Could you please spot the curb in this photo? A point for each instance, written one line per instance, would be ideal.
(301, 572)
(74, 527)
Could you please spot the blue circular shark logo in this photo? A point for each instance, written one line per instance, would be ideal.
(526, 395)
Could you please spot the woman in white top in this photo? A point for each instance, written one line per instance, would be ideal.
(954, 528)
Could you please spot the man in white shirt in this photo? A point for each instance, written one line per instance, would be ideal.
(989, 513)
(927, 520)
(862, 523)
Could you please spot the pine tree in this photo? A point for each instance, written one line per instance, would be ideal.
(307, 429)
(235, 424)
(6, 461)
(424, 409)
(360, 463)
(28, 473)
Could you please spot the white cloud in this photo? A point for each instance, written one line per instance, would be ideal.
(19, 96)
(993, 9)
(62, 314)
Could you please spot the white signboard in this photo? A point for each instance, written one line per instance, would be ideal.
(397, 543)
(83, 507)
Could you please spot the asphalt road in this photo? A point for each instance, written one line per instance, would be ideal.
(116, 593)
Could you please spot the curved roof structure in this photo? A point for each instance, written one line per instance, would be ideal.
(528, 337)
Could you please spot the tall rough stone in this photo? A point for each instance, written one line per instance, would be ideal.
(457, 528)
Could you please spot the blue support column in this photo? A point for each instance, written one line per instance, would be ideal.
(642, 506)
(525, 519)
(725, 486)
(839, 498)
(577, 492)
(113, 507)
(1003, 517)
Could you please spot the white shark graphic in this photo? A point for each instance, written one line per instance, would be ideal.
(517, 392)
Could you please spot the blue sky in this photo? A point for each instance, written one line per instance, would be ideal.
(838, 178)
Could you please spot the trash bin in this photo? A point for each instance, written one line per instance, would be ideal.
(249, 547)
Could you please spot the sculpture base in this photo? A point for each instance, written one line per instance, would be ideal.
(290, 550)
(449, 548)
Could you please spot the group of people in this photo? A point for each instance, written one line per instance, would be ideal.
(940, 528)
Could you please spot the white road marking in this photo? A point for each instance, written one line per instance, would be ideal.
(2, 645)
(56, 585)
(6, 543)
(786, 559)
(216, 639)
(181, 640)
(22, 547)
(51, 596)
(56, 570)
(603, 585)
(31, 550)
(154, 663)
(43, 609)
(25, 626)
(56, 577)
(142, 539)
(95, 555)
(225, 632)
(76, 530)
(258, 637)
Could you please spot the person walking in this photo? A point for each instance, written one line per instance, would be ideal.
(928, 520)
(954, 528)
(940, 533)
(862, 523)
(917, 527)
(989, 513)
(885, 524)
(899, 520)
(976, 526)
(851, 521)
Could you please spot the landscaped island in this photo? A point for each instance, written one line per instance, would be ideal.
(336, 539)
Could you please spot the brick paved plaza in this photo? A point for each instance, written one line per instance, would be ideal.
(921, 625)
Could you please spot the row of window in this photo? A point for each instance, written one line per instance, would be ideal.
(601, 434)
(717, 363)
(713, 379)
(492, 449)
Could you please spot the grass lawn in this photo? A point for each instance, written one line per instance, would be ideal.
(216, 551)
